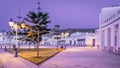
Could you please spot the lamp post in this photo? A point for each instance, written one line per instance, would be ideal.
(65, 35)
(57, 38)
(14, 26)
(56, 28)
(3, 34)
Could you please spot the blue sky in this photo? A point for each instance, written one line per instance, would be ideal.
(66, 13)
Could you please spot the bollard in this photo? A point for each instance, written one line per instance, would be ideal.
(61, 47)
(16, 52)
(5, 48)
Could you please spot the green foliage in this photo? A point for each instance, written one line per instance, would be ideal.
(39, 21)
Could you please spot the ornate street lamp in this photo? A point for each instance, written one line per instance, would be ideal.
(65, 35)
(14, 26)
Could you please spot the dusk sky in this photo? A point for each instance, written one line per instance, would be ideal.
(66, 13)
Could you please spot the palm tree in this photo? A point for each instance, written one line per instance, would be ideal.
(39, 21)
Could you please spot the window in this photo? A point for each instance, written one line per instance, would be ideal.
(115, 40)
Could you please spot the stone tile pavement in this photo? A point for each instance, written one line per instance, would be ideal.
(73, 57)
(81, 57)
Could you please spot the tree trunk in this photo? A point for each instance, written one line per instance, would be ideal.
(57, 44)
(29, 45)
(34, 44)
(38, 49)
(38, 44)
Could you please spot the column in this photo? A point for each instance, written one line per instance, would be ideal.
(119, 38)
(106, 40)
(102, 36)
(113, 37)
(119, 35)
(116, 37)
(99, 37)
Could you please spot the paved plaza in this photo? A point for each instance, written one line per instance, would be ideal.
(73, 57)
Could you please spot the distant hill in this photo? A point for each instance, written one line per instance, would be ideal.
(72, 30)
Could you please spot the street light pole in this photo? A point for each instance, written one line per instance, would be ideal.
(56, 28)
(14, 26)
(16, 53)
(65, 35)
(65, 40)
(57, 41)
(16, 34)
(19, 17)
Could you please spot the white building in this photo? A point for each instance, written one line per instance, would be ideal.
(109, 27)
(97, 38)
(6, 40)
(48, 40)
(83, 39)
(74, 39)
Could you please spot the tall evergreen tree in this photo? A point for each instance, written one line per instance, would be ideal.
(39, 20)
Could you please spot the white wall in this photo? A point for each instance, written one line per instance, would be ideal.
(113, 16)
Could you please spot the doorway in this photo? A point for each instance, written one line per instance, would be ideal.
(116, 37)
(93, 42)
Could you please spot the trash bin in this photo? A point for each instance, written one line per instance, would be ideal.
(61, 47)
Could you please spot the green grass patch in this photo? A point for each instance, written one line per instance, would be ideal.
(30, 54)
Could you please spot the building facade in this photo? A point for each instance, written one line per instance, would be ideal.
(109, 29)
(83, 39)
(74, 39)
(65, 38)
